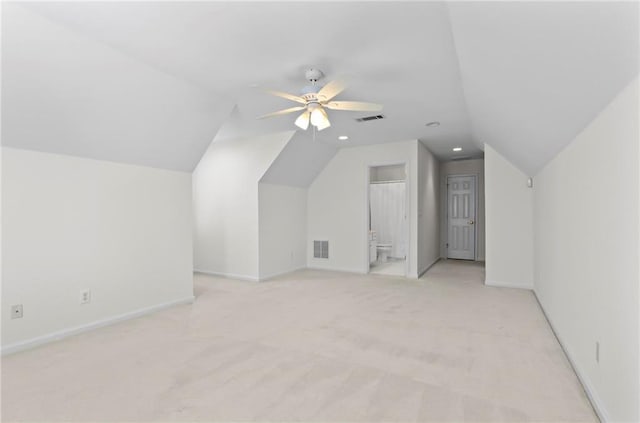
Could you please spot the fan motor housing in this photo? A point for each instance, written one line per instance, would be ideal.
(313, 75)
(310, 93)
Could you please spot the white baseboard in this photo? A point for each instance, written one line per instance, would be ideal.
(276, 274)
(498, 284)
(337, 269)
(423, 271)
(270, 276)
(596, 402)
(228, 275)
(65, 333)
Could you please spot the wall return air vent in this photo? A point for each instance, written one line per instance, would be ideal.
(368, 118)
(321, 249)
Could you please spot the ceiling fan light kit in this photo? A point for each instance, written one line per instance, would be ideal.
(302, 121)
(319, 117)
(316, 100)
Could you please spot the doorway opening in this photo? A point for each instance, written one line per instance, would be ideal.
(461, 217)
(387, 218)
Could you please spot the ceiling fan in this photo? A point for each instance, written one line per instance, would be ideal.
(315, 100)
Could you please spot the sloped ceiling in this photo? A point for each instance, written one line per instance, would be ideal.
(65, 93)
(299, 161)
(536, 73)
(153, 82)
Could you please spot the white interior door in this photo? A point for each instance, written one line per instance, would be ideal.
(461, 196)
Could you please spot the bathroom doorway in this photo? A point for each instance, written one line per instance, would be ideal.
(388, 220)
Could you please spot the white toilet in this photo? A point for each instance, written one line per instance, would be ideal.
(383, 252)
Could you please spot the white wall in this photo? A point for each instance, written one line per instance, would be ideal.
(463, 167)
(283, 229)
(71, 224)
(225, 196)
(337, 205)
(428, 209)
(509, 223)
(586, 254)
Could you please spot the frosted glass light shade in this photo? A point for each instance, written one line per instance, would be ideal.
(303, 120)
(319, 119)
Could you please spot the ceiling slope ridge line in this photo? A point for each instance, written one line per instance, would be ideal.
(232, 112)
(326, 163)
(94, 159)
(298, 164)
(508, 159)
(634, 80)
(290, 135)
(519, 100)
(79, 32)
(460, 78)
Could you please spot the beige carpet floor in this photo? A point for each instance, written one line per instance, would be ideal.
(311, 346)
(393, 267)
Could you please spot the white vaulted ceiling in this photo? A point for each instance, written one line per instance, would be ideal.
(536, 73)
(153, 83)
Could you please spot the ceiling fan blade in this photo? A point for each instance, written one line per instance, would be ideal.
(358, 106)
(281, 112)
(302, 121)
(287, 96)
(331, 90)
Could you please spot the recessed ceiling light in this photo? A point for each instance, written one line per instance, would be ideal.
(457, 148)
(343, 137)
(433, 124)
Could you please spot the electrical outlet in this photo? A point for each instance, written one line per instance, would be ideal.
(16, 311)
(85, 297)
(597, 352)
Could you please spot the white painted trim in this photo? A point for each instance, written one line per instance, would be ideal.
(476, 205)
(228, 275)
(336, 269)
(422, 272)
(65, 333)
(596, 402)
(285, 272)
(499, 284)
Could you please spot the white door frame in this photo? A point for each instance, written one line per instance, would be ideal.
(475, 212)
(407, 211)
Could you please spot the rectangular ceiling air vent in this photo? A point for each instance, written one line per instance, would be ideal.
(368, 118)
(321, 249)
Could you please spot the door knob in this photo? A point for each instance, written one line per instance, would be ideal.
(471, 222)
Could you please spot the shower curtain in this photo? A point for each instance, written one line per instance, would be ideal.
(387, 207)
